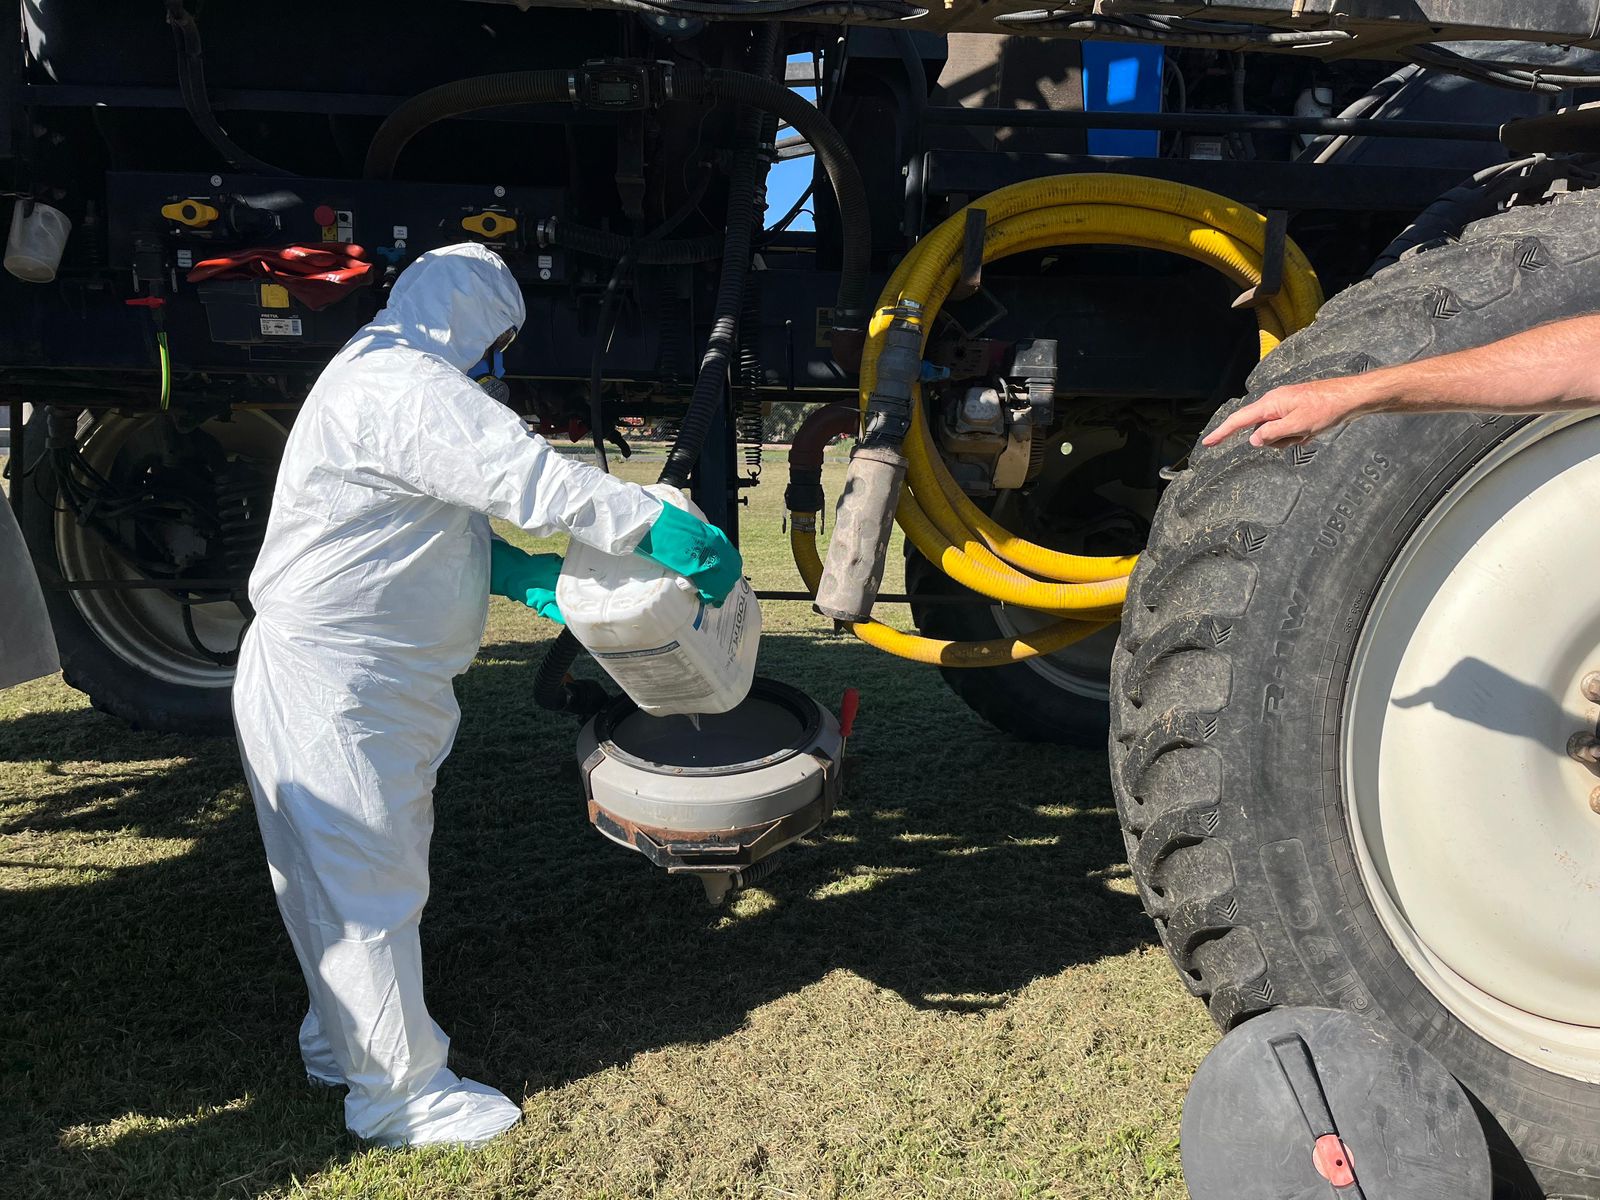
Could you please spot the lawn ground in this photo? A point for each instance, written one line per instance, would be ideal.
(949, 991)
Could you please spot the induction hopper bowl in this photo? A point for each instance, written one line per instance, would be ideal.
(717, 801)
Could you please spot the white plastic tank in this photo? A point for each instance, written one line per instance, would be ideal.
(649, 630)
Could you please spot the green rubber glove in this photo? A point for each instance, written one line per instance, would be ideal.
(526, 578)
(701, 553)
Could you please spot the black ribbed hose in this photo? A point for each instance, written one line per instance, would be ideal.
(453, 99)
(552, 687)
(746, 186)
(690, 82)
(197, 101)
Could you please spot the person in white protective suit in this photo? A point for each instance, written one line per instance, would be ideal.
(370, 596)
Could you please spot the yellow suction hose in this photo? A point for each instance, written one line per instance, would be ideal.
(937, 516)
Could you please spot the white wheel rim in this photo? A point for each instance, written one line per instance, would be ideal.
(1083, 668)
(1471, 826)
(144, 627)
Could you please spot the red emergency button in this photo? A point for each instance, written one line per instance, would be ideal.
(324, 215)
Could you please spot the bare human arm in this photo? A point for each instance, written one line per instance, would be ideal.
(1549, 369)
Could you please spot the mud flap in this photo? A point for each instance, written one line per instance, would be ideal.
(27, 645)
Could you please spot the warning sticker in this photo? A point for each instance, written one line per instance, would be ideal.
(280, 327)
(824, 328)
(343, 227)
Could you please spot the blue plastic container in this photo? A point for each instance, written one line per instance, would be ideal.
(1123, 77)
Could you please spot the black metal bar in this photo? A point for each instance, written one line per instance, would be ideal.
(793, 147)
(712, 484)
(972, 236)
(1029, 118)
(1272, 256)
(1298, 187)
(19, 457)
(11, 51)
(801, 75)
(892, 598)
(73, 95)
(232, 586)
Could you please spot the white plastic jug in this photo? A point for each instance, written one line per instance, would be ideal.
(649, 630)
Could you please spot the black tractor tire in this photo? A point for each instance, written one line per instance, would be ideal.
(1016, 699)
(113, 684)
(1230, 677)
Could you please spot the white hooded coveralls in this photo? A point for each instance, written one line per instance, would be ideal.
(370, 595)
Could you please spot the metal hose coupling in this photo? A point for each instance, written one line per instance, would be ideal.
(864, 519)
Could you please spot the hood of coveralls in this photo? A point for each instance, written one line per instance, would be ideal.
(453, 302)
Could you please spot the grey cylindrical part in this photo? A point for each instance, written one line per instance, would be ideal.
(861, 526)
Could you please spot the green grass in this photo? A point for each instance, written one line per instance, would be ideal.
(949, 991)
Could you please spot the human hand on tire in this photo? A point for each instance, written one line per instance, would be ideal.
(1545, 369)
(1287, 416)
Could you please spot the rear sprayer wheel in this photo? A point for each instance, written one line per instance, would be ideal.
(164, 503)
(1342, 698)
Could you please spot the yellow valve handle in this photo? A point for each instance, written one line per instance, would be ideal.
(196, 214)
(490, 224)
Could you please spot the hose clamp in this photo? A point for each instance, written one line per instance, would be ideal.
(899, 370)
(572, 86)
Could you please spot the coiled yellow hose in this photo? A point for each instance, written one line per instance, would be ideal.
(937, 516)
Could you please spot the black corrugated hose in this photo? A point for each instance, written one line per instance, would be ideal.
(197, 101)
(746, 184)
(552, 686)
(690, 82)
(457, 97)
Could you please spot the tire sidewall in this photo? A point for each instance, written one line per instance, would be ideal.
(113, 685)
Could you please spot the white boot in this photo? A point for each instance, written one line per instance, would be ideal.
(451, 1110)
(316, 1051)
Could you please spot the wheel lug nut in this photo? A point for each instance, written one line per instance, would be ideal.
(1584, 747)
(1591, 686)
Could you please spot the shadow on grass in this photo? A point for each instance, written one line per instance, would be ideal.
(152, 1001)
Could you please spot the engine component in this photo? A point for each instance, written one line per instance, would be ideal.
(714, 801)
(987, 439)
(993, 434)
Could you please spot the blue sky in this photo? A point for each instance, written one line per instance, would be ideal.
(788, 179)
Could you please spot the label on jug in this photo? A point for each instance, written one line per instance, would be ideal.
(666, 674)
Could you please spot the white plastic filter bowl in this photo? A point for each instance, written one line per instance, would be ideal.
(36, 241)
